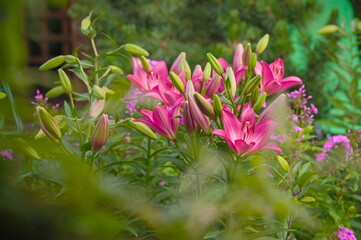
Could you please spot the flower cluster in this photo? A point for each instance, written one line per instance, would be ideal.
(40, 100)
(219, 99)
(333, 143)
(7, 154)
(345, 234)
(304, 113)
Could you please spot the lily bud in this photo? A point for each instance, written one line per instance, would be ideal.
(231, 82)
(203, 105)
(96, 108)
(207, 72)
(262, 44)
(254, 95)
(65, 81)
(115, 69)
(189, 89)
(48, 124)
(2, 95)
(217, 104)
(144, 129)
(216, 65)
(252, 84)
(52, 63)
(283, 163)
(145, 63)
(328, 29)
(135, 50)
(197, 68)
(55, 92)
(176, 66)
(70, 59)
(99, 92)
(252, 62)
(85, 23)
(177, 82)
(108, 91)
(100, 134)
(188, 121)
(247, 54)
(308, 199)
(185, 67)
(213, 86)
(201, 120)
(260, 101)
(237, 59)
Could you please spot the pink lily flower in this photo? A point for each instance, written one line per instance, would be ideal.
(162, 119)
(167, 93)
(247, 135)
(272, 77)
(146, 81)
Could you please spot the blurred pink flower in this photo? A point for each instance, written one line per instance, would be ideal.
(272, 77)
(345, 234)
(161, 119)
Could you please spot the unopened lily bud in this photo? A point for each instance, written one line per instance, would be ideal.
(254, 95)
(108, 91)
(176, 66)
(52, 63)
(145, 63)
(188, 121)
(48, 124)
(217, 104)
(65, 81)
(247, 54)
(237, 59)
(96, 108)
(201, 120)
(135, 49)
(2, 95)
(144, 129)
(55, 92)
(252, 62)
(185, 67)
(189, 89)
(70, 59)
(197, 68)
(308, 199)
(177, 82)
(328, 29)
(232, 82)
(262, 44)
(28, 150)
(98, 92)
(283, 163)
(213, 86)
(207, 72)
(115, 69)
(260, 101)
(252, 84)
(216, 65)
(203, 105)
(100, 134)
(85, 23)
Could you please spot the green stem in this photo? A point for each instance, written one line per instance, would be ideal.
(96, 64)
(76, 118)
(147, 176)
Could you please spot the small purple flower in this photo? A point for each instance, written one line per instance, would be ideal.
(7, 154)
(345, 234)
(299, 100)
(297, 129)
(335, 142)
(321, 156)
(295, 118)
(162, 183)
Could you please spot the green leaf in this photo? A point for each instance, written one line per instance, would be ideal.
(2, 95)
(305, 177)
